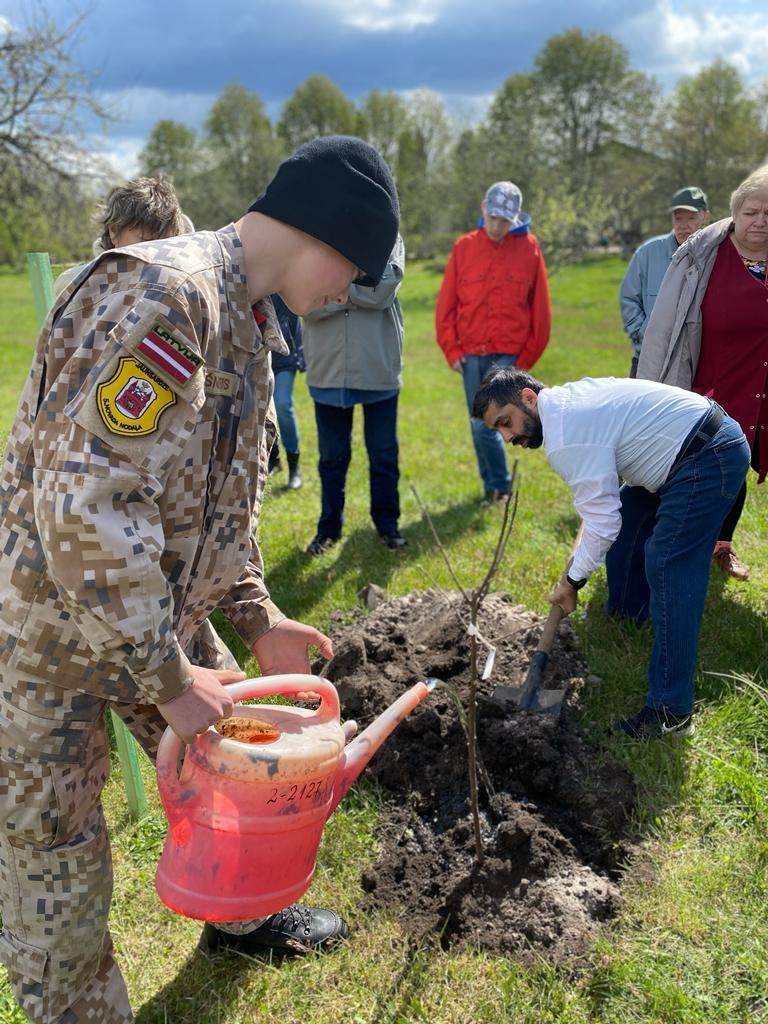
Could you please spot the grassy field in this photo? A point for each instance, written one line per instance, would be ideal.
(689, 945)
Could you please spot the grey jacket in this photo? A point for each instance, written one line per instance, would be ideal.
(359, 345)
(672, 340)
(641, 282)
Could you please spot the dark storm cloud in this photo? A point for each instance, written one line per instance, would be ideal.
(271, 47)
(154, 59)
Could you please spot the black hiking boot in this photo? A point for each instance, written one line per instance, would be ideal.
(291, 932)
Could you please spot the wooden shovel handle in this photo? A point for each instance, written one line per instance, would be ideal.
(549, 631)
(540, 656)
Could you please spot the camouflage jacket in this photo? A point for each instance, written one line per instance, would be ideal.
(134, 474)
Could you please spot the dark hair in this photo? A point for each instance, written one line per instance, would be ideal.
(502, 385)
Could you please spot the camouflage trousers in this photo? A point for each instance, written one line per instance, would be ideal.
(55, 860)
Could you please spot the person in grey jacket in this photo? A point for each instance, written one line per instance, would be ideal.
(646, 270)
(354, 356)
(709, 330)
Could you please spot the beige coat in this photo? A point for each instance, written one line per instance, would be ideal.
(672, 340)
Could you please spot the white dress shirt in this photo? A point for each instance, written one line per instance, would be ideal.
(600, 433)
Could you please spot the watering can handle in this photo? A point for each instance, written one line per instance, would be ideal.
(170, 747)
(266, 686)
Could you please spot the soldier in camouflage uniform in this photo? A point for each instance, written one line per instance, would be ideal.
(129, 500)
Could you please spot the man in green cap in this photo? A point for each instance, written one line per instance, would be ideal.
(646, 270)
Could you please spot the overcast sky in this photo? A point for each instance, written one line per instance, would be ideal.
(158, 59)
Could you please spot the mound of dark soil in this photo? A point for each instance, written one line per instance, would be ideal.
(551, 831)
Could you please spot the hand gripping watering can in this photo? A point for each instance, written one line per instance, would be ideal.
(247, 809)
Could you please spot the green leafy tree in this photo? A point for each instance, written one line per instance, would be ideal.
(242, 153)
(171, 151)
(423, 178)
(716, 134)
(382, 120)
(317, 107)
(411, 174)
(511, 135)
(633, 193)
(586, 94)
(427, 116)
(469, 177)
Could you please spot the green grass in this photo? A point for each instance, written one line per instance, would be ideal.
(689, 944)
(18, 331)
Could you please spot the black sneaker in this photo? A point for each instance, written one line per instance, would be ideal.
(319, 544)
(393, 540)
(291, 932)
(652, 723)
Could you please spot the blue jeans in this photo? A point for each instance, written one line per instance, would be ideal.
(286, 418)
(489, 446)
(659, 564)
(334, 439)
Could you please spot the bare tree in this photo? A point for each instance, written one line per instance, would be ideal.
(44, 99)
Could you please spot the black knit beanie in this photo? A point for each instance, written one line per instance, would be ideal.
(339, 189)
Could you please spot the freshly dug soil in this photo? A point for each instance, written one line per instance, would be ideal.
(552, 831)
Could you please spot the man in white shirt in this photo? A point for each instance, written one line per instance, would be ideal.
(651, 468)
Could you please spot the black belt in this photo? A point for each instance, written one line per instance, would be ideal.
(699, 437)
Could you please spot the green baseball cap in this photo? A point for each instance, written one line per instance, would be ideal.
(690, 198)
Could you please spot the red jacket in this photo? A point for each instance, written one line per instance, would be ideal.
(494, 299)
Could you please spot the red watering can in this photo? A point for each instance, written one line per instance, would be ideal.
(247, 809)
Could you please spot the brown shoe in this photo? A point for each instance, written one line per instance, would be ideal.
(726, 559)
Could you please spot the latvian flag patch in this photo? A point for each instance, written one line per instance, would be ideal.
(175, 359)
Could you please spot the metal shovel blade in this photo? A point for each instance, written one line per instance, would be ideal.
(531, 696)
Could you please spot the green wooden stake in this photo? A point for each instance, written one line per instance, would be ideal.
(128, 755)
(41, 276)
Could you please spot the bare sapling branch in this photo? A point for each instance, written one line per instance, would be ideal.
(474, 600)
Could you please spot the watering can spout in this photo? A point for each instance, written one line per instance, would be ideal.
(359, 751)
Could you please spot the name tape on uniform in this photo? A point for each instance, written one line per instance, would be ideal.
(219, 382)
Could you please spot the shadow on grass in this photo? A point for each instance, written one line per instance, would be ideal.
(402, 997)
(360, 558)
(205, 989)
(731, 643)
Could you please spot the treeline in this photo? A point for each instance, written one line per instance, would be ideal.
(595, 146)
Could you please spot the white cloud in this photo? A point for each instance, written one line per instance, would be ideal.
(122, 154)
(672, 43)
(384, 15)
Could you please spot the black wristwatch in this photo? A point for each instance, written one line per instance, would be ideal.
(576, 584)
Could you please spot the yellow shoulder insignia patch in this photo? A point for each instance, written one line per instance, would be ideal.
(130, 403)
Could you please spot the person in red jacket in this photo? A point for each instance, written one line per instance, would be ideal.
(493, 310)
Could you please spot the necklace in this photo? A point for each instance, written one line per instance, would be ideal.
(755, 267)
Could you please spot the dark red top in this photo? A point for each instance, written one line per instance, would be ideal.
(733, 366)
